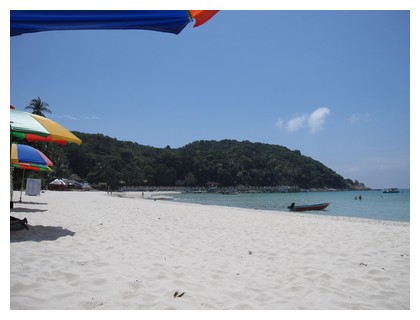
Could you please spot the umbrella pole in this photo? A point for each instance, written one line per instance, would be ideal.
(21, 185)
(11, 172)
(11, 187)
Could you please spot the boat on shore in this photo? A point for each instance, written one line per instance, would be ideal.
(308, 207)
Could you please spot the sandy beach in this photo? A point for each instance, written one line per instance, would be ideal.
(90, 250)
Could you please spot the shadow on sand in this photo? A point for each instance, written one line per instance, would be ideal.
(40, 233)
(27, 210)
(30, 202)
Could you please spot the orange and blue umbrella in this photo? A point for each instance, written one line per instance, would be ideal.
(172, 21)
(26, 155)
(34, 128)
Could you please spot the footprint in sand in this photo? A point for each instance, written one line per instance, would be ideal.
(92, 304)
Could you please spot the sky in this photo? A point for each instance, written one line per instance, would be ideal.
(333, 84)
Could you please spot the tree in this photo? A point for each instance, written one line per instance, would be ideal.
(38, 107)
(190, 179)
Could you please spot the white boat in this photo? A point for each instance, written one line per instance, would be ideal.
(391, 190)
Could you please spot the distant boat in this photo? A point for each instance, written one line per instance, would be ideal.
(318, 206)
(391, 190)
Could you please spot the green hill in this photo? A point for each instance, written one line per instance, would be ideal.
(228, 162)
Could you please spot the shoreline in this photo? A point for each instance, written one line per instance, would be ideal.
(158, 195)
(402, 216)
(90, 250)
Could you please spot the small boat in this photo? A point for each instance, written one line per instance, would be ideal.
(307, 207)
(391, 190)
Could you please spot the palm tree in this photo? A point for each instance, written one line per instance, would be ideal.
(38, 107)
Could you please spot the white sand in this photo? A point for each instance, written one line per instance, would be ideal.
(90, 250)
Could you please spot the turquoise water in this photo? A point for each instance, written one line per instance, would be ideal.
(374, 204)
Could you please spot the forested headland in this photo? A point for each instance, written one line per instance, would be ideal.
(106, 160)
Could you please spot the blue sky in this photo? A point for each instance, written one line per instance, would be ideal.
(333, 84)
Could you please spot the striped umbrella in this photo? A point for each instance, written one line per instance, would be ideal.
(23, 154)
(31, 166)
(28, 158)
(35, 128)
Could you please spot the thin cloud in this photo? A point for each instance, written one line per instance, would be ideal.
(296, 123)
(65, 116)
(279, 123)
(71, 117)
(353, 169)
(91, 117)
(317, 120)
(358, 118)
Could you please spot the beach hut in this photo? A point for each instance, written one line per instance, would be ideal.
(57, 184)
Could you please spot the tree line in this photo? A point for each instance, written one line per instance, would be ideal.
(102, 159)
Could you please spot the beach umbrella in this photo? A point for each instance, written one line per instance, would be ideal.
(171, 21)
(24, 154)
(28, 158)
(34, 128)
(31, 166)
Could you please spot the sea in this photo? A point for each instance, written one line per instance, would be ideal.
(373, 204)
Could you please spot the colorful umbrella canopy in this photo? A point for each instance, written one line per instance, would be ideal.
(31, 166)
(172, 21)
(23, 154)
(34, 128)
(28, 158)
